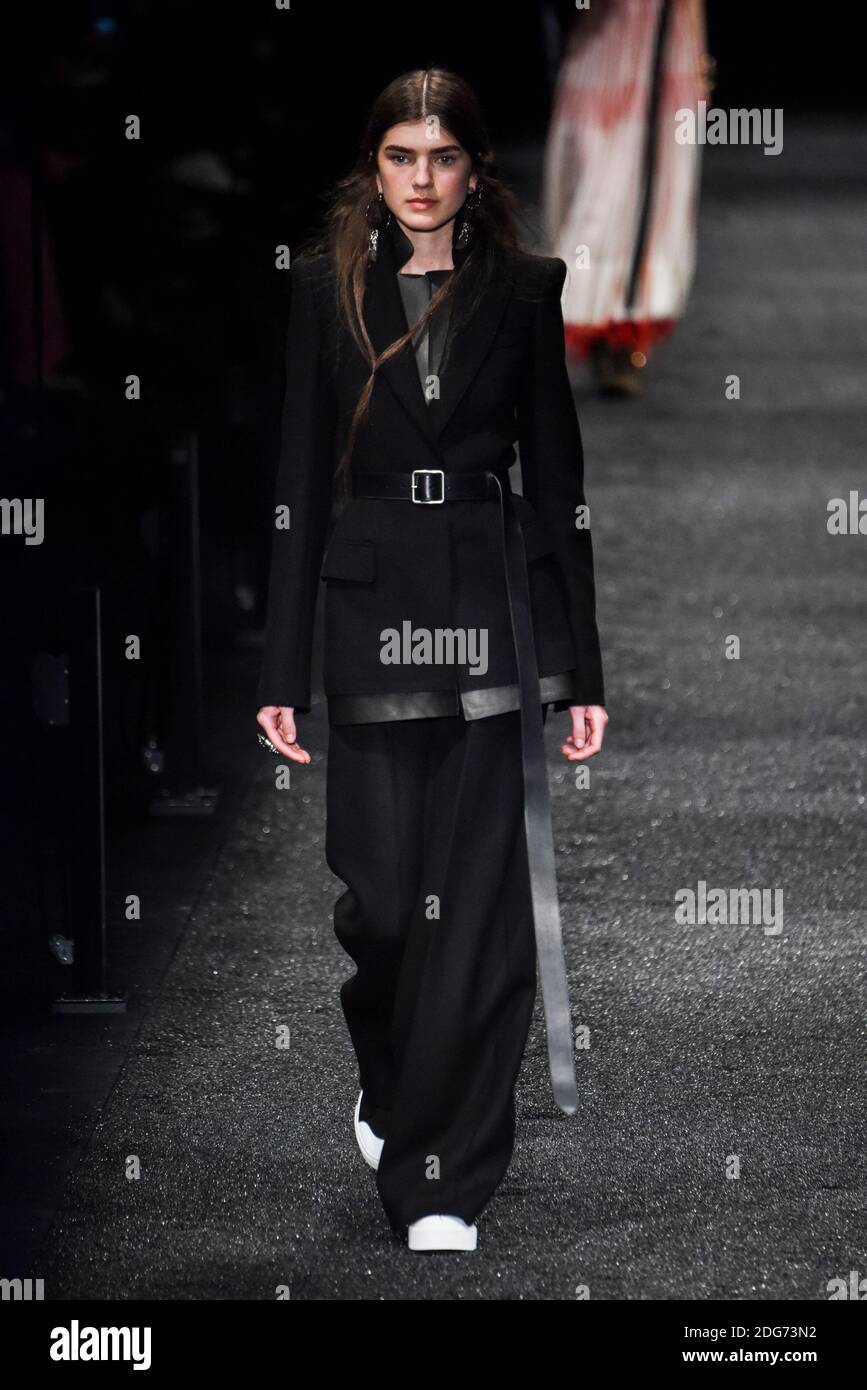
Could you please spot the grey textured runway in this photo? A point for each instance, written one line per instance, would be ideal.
(719, 1152)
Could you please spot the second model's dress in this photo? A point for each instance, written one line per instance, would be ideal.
(620, 191)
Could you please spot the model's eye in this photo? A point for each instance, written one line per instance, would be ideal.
(447, 159)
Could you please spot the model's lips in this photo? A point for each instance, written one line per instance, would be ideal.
(421, 202)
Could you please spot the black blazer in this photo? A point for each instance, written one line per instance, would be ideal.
(386, 562)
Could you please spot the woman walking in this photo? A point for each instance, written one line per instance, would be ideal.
(422, 345)
(620, 191)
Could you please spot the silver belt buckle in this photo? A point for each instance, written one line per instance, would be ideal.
(429, 501)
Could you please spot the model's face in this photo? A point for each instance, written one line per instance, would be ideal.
(423, 174)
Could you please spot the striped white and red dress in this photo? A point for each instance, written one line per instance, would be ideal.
(599, 171)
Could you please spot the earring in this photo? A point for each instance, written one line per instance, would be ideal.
(468, 222)
(376, 222)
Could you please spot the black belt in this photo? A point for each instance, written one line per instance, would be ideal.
(428, 487)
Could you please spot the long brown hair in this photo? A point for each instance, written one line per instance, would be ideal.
(414, 96)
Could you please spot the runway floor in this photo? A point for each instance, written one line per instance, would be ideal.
(719, 1152)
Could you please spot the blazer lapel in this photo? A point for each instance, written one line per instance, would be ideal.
(386, 321)
(467, 354)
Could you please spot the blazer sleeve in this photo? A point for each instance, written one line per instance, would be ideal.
(304, 485)
(552, 472)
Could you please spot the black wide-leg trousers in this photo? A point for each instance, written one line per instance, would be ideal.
(425, 827)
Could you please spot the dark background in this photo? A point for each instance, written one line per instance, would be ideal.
(157, 258)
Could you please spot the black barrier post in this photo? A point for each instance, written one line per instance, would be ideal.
(183, 793)
(86, 820)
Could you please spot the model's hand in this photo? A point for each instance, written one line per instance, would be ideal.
(278, 721)
(588, 731)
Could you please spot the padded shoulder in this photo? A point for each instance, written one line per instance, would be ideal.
(312, 270)
(538, 277)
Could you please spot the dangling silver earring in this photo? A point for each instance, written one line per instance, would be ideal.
(468, 221)
(376, 222)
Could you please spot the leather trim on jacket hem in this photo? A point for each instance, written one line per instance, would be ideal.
(432, 704)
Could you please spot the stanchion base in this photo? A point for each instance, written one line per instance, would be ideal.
(201, 801)
(89, 1004)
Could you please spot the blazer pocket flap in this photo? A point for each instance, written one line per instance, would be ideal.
(350, 560)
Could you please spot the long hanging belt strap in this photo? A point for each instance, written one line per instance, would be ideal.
(537, 804)
(537, 816)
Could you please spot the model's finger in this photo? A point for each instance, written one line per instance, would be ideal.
(600, 720)
(290, 748)
(286, 725)
(579, 720)
(570, 749)
(294, 751)
(593, 743)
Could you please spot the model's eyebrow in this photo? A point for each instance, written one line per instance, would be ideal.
(438, 149)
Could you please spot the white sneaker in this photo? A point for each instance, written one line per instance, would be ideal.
(442, 1233)
(369, 1143)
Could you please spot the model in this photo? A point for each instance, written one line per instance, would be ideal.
(423, 345)
(620, 192)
